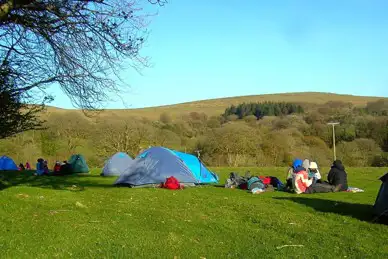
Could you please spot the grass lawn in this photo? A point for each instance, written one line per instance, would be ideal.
(85, 216)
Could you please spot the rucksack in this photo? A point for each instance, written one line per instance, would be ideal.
(236, 181)
(266, 180)
(255, 182)
(172, 183)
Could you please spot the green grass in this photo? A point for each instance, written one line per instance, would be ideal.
(84, 216)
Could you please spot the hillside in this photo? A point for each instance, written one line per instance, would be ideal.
(272, 140)
(217, 106)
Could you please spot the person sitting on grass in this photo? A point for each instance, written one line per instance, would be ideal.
(290, 173)
(28, 166)
(39, 167)
(57, 167)
(46, 171)
(306, 165)
(65, 168)
(21, 167)
(300, 179)
(338, 177)
(314, 173)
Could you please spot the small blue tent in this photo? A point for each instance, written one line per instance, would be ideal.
(7, 164)
(117, 164)
(156, 164)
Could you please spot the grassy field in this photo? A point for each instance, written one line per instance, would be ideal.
(218, 106)
(85, 216)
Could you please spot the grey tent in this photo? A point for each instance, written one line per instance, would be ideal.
(381, 205)
(153, 166)
(117, 164)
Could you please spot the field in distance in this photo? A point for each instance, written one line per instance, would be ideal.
(217, 106)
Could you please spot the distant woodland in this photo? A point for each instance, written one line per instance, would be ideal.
(249, 134)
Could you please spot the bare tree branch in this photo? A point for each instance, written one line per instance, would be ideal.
(81, 45)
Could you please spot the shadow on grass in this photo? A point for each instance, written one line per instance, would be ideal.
(362, 212)
(65, 182)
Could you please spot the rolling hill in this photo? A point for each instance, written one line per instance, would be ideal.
(218, 106)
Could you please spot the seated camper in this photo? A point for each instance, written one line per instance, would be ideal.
(28, 166)
(314, 172)
(57, 167)
(21, 167)
(65, 168)
(39, 167)
(46, 171)
(337, 176)
(306, 165)
(300, 180)
(290, 173)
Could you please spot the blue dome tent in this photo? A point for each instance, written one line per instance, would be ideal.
(156, 164)
(7, 164)
(117, 164)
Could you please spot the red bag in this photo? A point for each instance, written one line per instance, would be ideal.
(172, 183)
(266, 179)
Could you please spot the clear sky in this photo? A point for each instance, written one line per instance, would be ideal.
(202, 49)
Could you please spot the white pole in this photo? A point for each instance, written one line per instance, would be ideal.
(335, 155)
(334, 151)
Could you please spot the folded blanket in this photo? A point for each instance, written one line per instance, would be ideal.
(354, 189)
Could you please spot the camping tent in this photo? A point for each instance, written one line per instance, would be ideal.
(381, 205)
(117, 164)
(7, 164)
(200, 172)
(78, 164)
(156, 164)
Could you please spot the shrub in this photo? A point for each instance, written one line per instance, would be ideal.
(250, 118)
(232, 117)
(380, 160)
(165, 118)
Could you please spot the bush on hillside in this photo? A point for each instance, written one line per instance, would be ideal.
(380, 160)
(359, 152)
(165, 118)
(232, 117)
(250, 118)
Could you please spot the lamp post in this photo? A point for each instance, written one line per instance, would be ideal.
(333, 124)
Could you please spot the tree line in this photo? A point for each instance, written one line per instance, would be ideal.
(362, 138)
(259, 110)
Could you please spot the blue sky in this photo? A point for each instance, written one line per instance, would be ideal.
(202, 49)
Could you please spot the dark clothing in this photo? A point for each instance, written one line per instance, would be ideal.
(298, 169)
(57, 168)
(65, 169)
(288, 187)
(337, 175)
(320, 188)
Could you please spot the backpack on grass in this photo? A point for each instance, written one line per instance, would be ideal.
(172, 183)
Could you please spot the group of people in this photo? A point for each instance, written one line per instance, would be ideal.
(304, 177)
(26, 167)
(42, 167)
